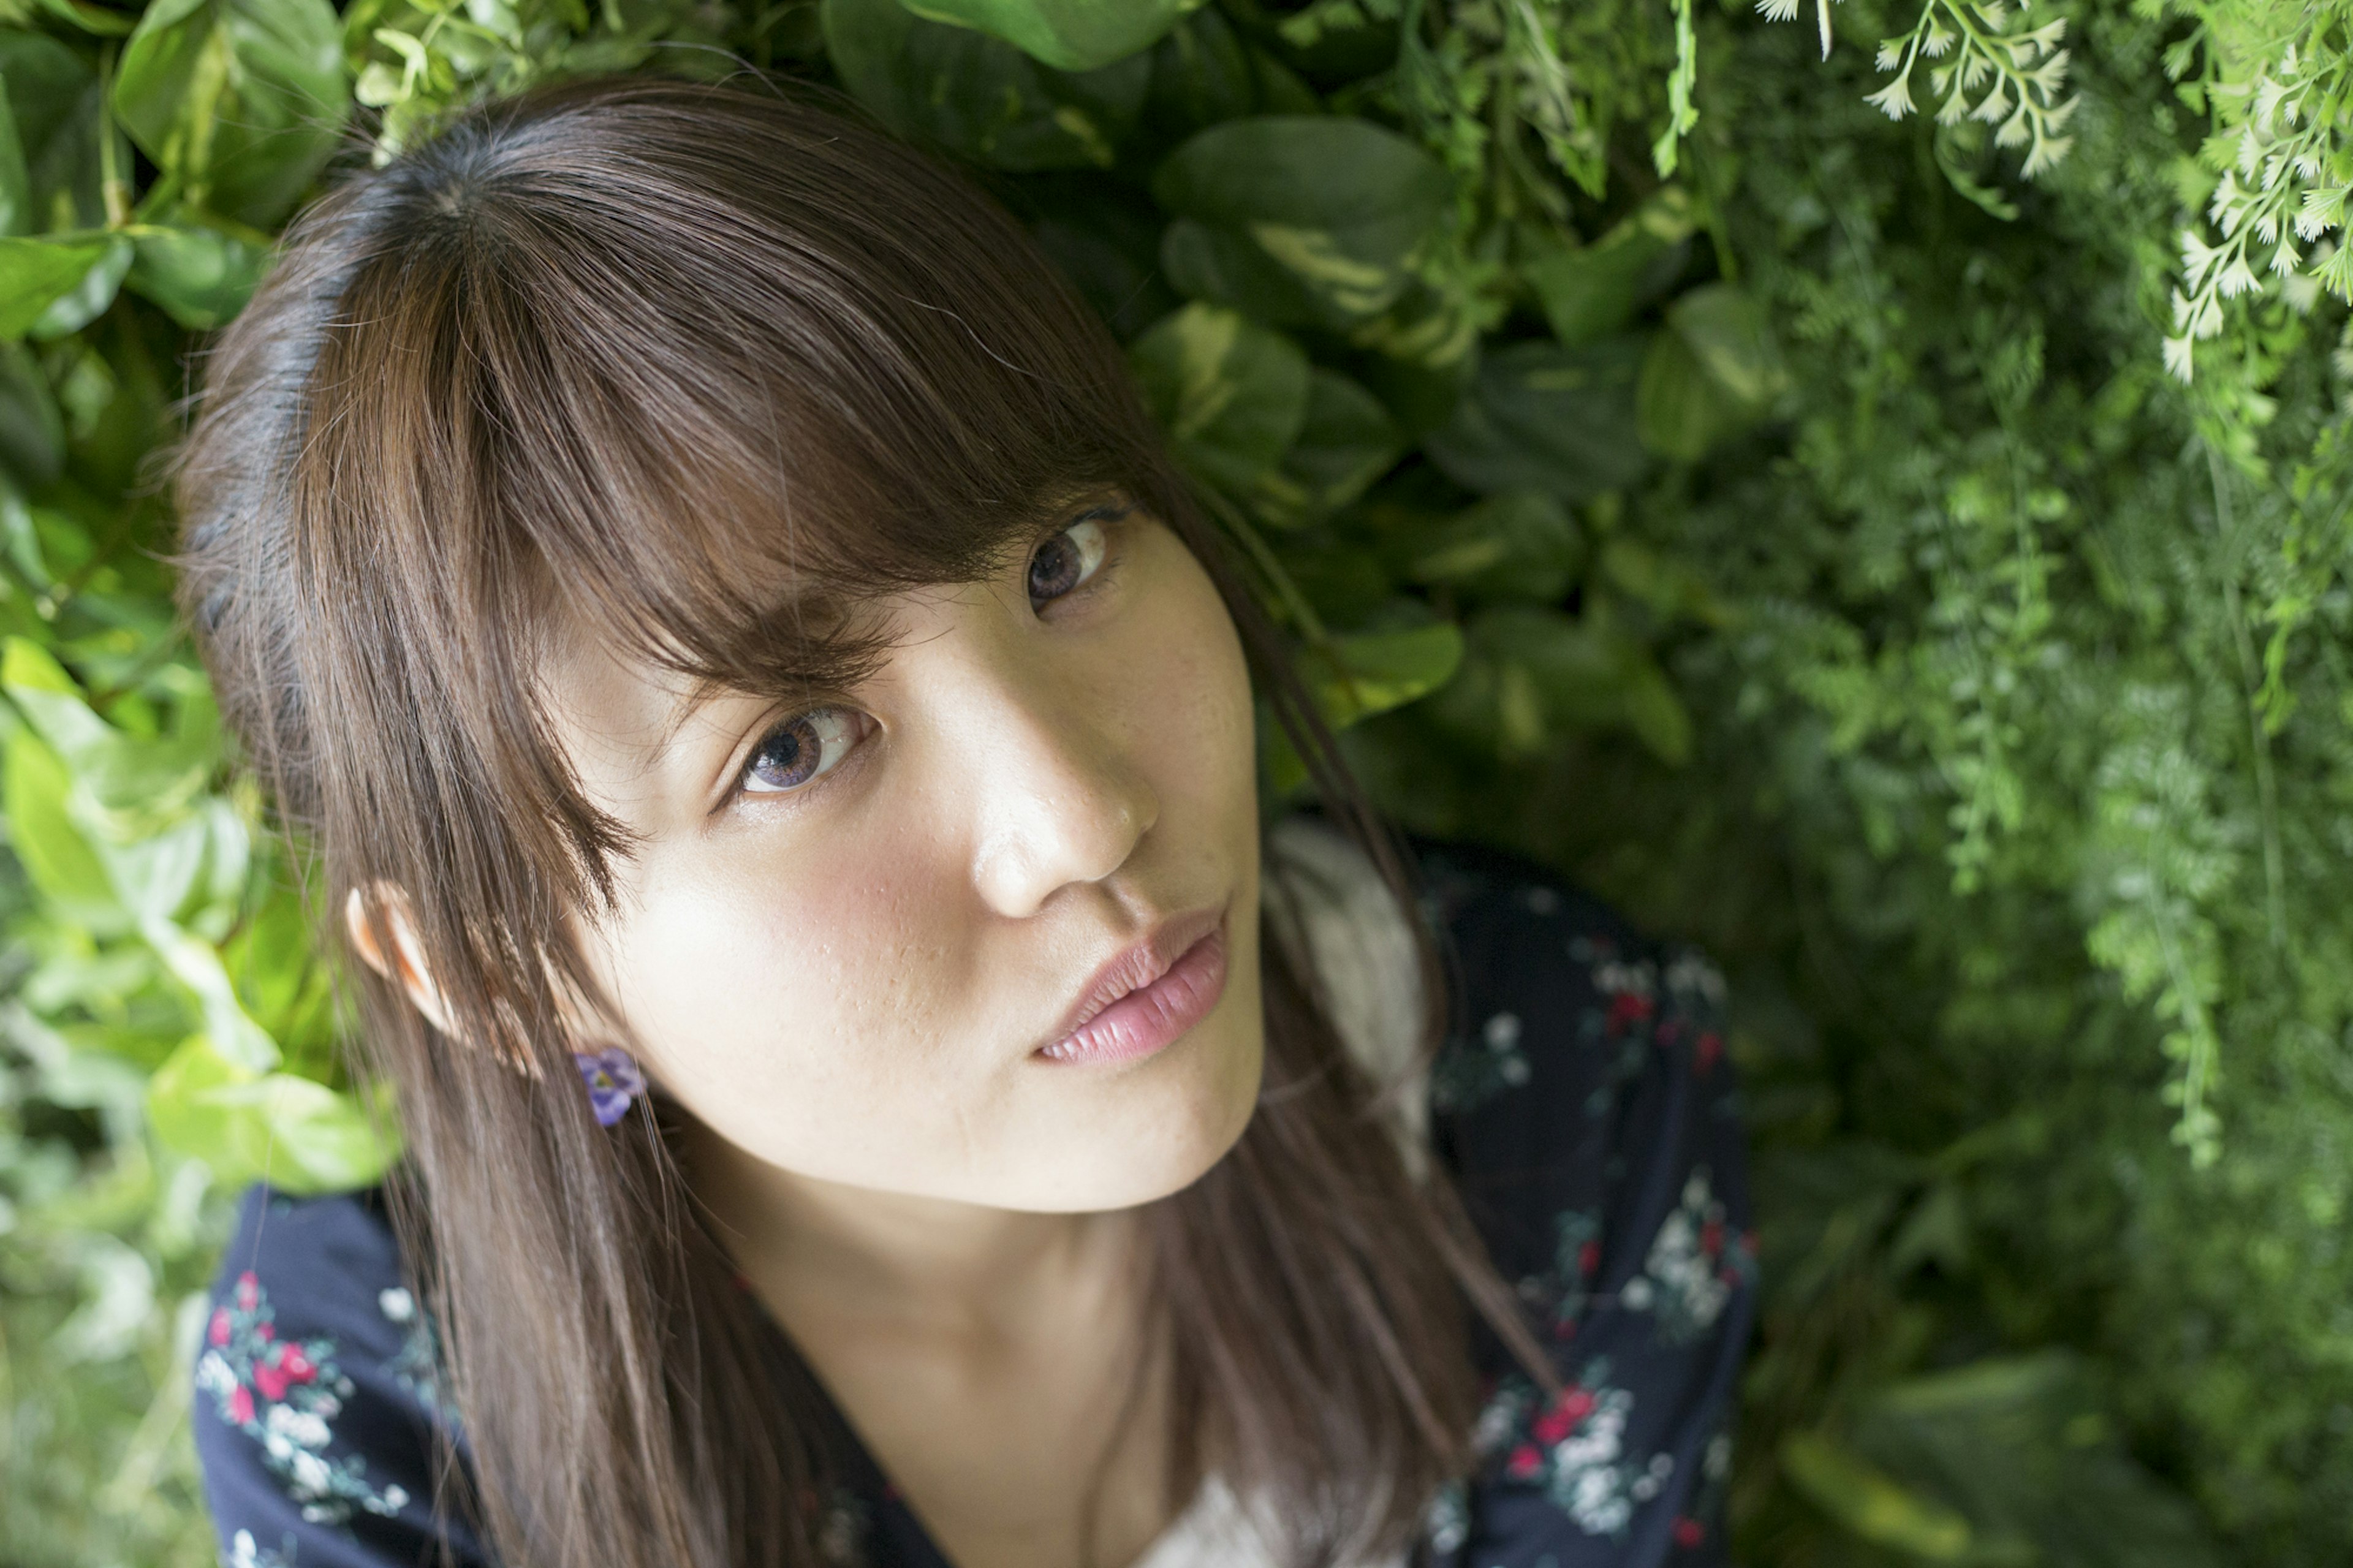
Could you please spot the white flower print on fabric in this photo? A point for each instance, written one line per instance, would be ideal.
(245, 1552)
(1693, 1268)
(1574, 1448)
(1470, 1072)
(285, 1394)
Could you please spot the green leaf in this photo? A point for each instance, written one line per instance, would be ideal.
(978, 97)
(296, 1133)
(87, 301)
(1346, 441)
(1335, 205)
(1714, 372)
(18, 215)
(1532, 676)
(1231, 395)
(201, 277)
(1069, 34)
(1541, 417)
(60, 861)
(1871, 1503)
(1591, 291)
(32, 431)
(53, 99)
(1364, 673)
(1201, 73)
(35, 274)
(51, 699)
(1521, 544)
(243, 100)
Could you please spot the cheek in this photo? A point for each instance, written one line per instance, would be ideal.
(1187, 700)
(795, 1010)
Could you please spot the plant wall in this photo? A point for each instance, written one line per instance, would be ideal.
(1865, 488)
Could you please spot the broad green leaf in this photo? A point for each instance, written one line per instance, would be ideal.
(1346, 441)
(1231, 395)
(35, 274)
(1105, 238)
(100, 21)
(32, 431)
(1521, 544)
(201, 277)
(1679, 408)
(87, 301)
(1201, 73)
(1069, 34)
(1591, 291)
(50, 698)
(1542, 417)
(1364, 673)
(1531, 676)
(1870, 1503)
(1714, 372)
(18, 215)
(973, 95)
(196, 964)
(242, 100)
(1728, 333)
(53, 99)
(55, 854)
(1338, 204)
(296, 1133)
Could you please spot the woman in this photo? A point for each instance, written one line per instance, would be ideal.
(780, 743)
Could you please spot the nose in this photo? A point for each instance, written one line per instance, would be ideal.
(1059, 799)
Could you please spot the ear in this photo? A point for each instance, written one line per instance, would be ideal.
(404, 965)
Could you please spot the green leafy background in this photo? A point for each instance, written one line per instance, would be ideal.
(1864, 488)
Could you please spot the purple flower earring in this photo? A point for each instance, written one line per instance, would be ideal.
(614, 1080)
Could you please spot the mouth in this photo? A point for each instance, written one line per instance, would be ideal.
(1147, 996)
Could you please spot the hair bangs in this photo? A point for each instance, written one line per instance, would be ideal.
(678, 396)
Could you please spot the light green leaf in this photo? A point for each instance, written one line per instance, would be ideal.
(87, 301)
(35, 274)
(1069, 34)
(60, 861)
(200, 276)
(1231, 395)
(293, 1132)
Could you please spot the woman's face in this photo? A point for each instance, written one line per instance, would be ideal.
(849, 927)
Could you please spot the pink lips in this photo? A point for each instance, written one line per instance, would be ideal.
(1148, 997)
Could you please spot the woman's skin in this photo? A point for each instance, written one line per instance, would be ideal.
(845, 984)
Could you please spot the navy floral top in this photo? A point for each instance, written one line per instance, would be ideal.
(1582, 1104)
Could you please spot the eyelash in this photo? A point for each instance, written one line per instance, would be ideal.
(1096, 518)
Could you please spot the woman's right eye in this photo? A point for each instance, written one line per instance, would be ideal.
(801, 749)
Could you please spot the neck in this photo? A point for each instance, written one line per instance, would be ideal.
(921, 1263)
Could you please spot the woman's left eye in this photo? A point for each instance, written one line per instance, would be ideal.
(801, 749)
(1066, 562)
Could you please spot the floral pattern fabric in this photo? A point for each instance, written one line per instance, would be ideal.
(1582, 1104)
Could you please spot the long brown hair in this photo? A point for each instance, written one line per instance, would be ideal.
(699, 363)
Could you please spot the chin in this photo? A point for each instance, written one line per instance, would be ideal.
(1175, 1125)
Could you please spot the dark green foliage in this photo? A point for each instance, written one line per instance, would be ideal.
(1904, 551)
